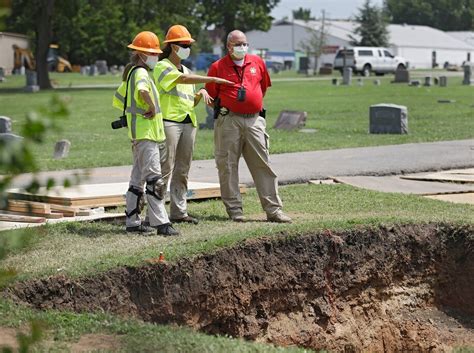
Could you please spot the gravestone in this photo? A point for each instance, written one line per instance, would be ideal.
(360, 82)
(113, 70)
(377, 82)
(2, 74)
(101, 67)
(415, 83)
(209, 124)
(388, 119)
(5, 125)
(347, 76)
(290, 120)
(9, 138)
(402, 76)
(428, 82)
(467, 75)
(335, 82)
(61, 149)
(325, 70)
(31, 81)
(443, 81)
(121, 68)
(85, 70)
(93, 70)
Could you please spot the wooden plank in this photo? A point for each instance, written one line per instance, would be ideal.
(456, 198)
(28, 206)
(24, 219)
(33, 214)
(445, 177)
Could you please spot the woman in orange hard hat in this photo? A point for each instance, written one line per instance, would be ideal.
(138, 99)
(178, 98)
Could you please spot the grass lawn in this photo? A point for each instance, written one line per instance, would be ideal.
(340, 115)
(79, 249)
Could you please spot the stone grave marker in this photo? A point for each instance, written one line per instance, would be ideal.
(443, 81)
(290, 120)
(61, 149)
(335, 82)
(93, 70)
(377, 82)
(428, 81)
(388, 119)
(101, 67)
(2, 74)
(360, 82)
(10, 138)
(402, 76)
(467, 75)
(85, 70)
(31, 81)
(5, 125)
(347, 76)
(415, 83)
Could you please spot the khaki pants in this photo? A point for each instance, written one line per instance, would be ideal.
(180, 145)
(146, 166)
(234, 136)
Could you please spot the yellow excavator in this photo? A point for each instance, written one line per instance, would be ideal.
(24, 57)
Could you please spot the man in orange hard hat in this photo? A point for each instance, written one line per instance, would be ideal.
(138, 99)
(175, 83)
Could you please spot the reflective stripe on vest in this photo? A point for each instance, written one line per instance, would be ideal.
(133, 107)
(175, 92)
(164, 73)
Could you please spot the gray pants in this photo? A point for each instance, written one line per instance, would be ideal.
(234, 136)
(180, 145)
(146, 166)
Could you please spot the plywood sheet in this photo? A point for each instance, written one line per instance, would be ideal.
(455, 176)
(456, 198)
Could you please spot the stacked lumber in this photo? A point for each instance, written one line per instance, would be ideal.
(38, 212)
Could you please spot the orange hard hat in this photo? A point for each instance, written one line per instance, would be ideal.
(178, 33)
(147, 42)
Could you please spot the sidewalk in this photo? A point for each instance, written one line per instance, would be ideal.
(303, 166)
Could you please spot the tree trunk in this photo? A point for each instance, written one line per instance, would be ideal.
(43, 40)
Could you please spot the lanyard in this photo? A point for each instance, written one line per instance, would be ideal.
(241, 78)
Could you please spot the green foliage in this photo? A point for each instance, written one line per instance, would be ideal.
(372, 26)
(302, 14)
(447, 15)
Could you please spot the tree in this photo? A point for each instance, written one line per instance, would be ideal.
(447, 15)
(314, 46)
(372, 26)
(244, 15)
(302, 14)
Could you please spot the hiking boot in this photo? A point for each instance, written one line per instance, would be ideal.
(238, 218)
(279, 218)
(187, 219)
(142, 229)
(166, 230)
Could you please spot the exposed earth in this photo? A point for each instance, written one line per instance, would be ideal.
(397, 288)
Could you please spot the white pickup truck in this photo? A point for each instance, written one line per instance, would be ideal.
(365, 60)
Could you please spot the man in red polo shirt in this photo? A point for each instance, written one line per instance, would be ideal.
(240, 129)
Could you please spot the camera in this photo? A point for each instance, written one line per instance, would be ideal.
(241, 94)
(120, 122)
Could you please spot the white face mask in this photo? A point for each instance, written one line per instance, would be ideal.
(151, 61)
(240, 51)
(183, 53)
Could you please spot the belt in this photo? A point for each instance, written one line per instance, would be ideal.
(224, 111)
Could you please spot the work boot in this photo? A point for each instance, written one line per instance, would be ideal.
(279, 217)
(142, 229)
(187, 219)
(238, 218)
(166, 230)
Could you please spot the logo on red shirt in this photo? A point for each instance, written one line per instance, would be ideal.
(253, 70)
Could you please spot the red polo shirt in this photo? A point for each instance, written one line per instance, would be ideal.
(255, 80)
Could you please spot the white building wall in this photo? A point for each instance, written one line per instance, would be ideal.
(7, 40)
(421, 58)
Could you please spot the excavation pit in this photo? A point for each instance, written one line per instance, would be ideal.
(387, 288)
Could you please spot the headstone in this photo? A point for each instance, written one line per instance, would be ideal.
(5, 125)
(101, 67)
(443, 81)
(415, 83)
(2, 74)
(209, 124)
(290, 120)
(61, 149)
(121, 69)
(388, 119)
(377, 82)
(360, 82)
(325, 70)
(335, 82)
(113, 70)
(31, 81)
(402, 76)
(9, 138)
(85, 70)
(93, 70)
(467, 74)
(428, 82)
(347, 76)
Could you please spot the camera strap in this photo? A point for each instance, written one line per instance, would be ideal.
(126, 89)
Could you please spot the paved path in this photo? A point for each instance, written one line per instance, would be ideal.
(304, 166)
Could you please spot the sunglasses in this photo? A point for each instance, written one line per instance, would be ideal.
(182, 45)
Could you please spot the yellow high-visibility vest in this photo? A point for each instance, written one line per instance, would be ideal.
(177, 100)
(140, 128)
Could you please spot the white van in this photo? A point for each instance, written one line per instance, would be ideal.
(365, 60)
